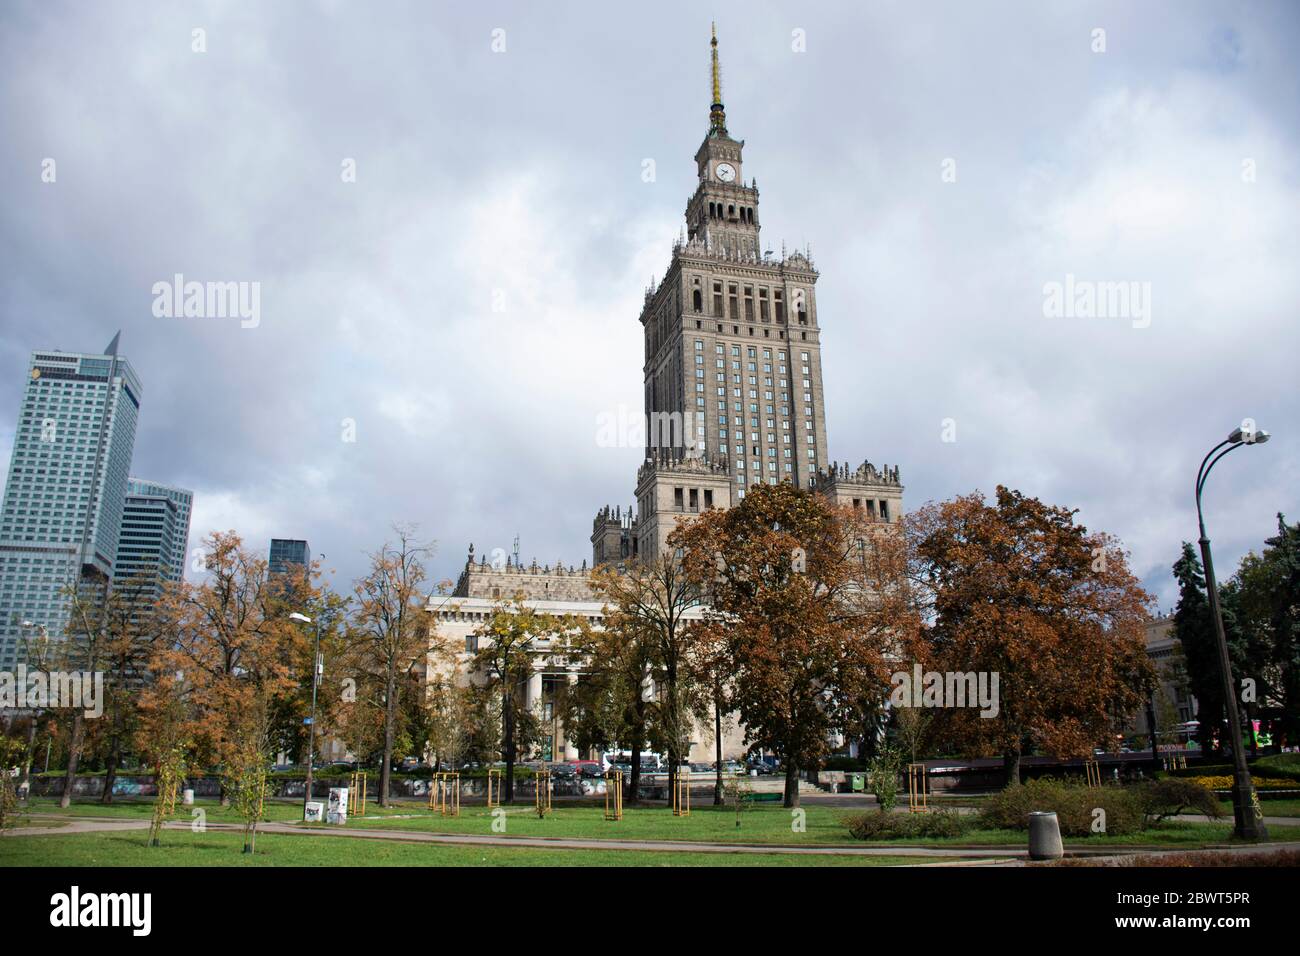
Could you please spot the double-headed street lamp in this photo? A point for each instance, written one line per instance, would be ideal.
(317, 665)
(1249, 822)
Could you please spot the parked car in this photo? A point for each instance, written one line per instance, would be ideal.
(564, 771)
(764, 765)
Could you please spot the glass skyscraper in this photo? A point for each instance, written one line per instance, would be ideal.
(172, 559)
(286, 553)
(63, 500)
(151, 546)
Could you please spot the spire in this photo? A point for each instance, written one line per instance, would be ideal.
(717, 115)
(112, 346)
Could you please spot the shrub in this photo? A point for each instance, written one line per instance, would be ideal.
(1277, 767)
(1168, 798)
(883, 777)
(1224, 782)
(1073, 803)
(875, 825)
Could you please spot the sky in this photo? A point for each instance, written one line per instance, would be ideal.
(445, 212)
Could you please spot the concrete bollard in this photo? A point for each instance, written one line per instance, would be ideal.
(187, 798)
(1044, 836)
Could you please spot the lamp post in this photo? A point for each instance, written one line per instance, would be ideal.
(1249, 825)
(316, 666)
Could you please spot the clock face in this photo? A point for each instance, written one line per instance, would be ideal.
(725, 172)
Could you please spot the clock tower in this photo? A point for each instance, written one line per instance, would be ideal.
(723, 213)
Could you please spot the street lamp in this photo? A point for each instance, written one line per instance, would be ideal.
(317, 667)
(1249, 823)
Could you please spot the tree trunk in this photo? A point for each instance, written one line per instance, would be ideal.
(1011, 767)
(791, 785)
(674, 732)
(508, 743)
(390, 718)
(638, 734)
(110, 772)
(717, 749)
(634, 784)
(28, 756)
(74, 752)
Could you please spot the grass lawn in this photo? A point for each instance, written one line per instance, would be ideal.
(761, 824)
(182, 848)
(1287, 807)
(131, 809)
(766, 824)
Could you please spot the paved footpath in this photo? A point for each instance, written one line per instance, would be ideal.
(987, 854)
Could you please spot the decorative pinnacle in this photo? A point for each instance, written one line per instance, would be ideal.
(717, 115)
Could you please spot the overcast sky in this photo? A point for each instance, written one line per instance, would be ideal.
(470, 302)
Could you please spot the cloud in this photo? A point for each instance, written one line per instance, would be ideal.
(470, 302)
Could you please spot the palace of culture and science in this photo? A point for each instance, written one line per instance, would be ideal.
(733, 361)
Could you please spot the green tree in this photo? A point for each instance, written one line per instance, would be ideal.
(1268, 609)
(1194, 629)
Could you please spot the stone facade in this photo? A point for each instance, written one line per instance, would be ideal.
(501, 582)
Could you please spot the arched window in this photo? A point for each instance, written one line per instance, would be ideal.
(698, 300)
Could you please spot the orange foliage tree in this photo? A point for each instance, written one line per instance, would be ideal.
(235, 653)
(808, 599)
(1016, 587)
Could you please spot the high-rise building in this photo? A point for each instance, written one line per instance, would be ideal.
(183, 500)
(151, 546)
(286, 553)
(63, 500)
(732, 369)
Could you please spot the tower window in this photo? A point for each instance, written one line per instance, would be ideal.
(697, 300)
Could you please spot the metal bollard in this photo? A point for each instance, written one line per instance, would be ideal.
(1044, 836)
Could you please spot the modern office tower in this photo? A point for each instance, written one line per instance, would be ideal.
(147, 552)
(64, 496)
(183, 499)
(287, 552)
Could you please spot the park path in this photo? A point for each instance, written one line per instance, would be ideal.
(987, 854)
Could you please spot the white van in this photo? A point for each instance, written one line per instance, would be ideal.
(650, 762)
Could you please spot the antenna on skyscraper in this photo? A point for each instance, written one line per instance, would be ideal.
(516, 550)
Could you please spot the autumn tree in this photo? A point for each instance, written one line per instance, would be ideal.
(507, 643)
(234, 647)
(390, 635)
(713, 699)
(132, 631)
(789, 578)
(649, 601)
(163, 738)
(1018, 589)
(612, 707)
(96, 614)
